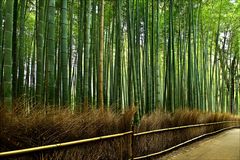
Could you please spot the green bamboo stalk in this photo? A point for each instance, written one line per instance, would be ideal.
(7, 51)
(158, 89)
(79, 87)
(147, 92)
(14, 50)
(190, 92)
(152, 62)
(100, 65)
(70, 52)
(40, 52)
(1, 49)
(118, 55)
(21, 49)
(50, 59)
(64, 53)
(87, 53)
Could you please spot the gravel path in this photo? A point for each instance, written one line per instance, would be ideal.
(224, 146)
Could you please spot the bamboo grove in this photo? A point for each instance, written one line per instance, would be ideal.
(116, 54)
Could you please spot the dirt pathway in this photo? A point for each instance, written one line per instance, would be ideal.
(224, 146)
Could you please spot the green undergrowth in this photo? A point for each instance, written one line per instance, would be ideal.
(18, 131)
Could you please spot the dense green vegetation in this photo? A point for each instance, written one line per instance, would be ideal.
(120, 53)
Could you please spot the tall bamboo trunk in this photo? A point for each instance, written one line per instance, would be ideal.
(1, 51)
(64, 53)
(100, 63)
(14, 50)
(79, 87)
(86, 53)
(50, 59)
(21, 49)
(7, 50)
(40, 52)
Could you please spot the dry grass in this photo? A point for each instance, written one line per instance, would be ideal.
(42, 128)
(147, 144)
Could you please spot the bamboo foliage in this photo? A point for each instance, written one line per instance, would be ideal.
(149, 54)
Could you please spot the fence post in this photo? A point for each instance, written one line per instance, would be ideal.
(131, 143)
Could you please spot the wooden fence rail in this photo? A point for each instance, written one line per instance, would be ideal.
(181, 144)
(181, 127)
(131, 135)
(61, 145)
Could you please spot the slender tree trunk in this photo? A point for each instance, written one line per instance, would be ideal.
(14, 50)
(148, 106)
(173, 68)
(87, 53)
(130, 52)
(232, 85)
(158, 89)
(40, 51)
(70, 47)
(64, 53)
(190, 103)
(100, 65)
(118, 56)
(33, 71)
(1, 51)
(21, 49)
(152, 62)
(7, 50)
(79, 89)
(50, 77)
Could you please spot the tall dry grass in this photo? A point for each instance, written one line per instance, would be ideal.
(38, 128)
(41, 128)
(156, 142)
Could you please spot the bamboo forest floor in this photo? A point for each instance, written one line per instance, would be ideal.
(223, 146)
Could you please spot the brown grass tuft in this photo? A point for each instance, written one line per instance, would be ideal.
(43, 127)
(147, 144)
(19, 131)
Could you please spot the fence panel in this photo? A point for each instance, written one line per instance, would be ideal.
(131, 141)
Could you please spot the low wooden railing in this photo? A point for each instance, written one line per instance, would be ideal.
(63, 145)
(236, 124)
(131, 138)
